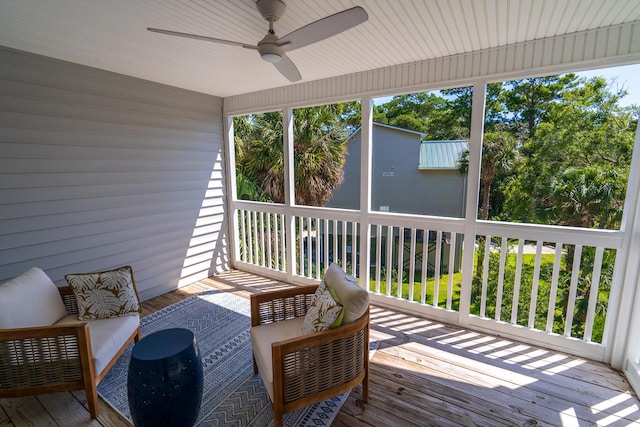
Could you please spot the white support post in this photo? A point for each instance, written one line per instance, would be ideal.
(471, 203)
(623, 314)
(366, 147)
(289, 191)
(232, 212)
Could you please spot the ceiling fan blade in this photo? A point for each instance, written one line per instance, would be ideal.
(288, 69)
(324, 28)
(205, 38)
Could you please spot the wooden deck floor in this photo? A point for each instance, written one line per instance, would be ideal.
(424, 373)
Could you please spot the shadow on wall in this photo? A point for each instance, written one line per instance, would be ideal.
(207, 252)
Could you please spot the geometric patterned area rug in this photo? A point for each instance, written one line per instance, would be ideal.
(232, 396)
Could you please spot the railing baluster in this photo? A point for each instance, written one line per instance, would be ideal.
(335, 241)
(412, 263)
(283, 246)
(243, 234)
(436, 275)
(256, 241)
(485, 276)
(400, 260)
(301, 269)
(262, 238)
(573, 290)
(593, 293)
(503, 259)
(516, 282)
(250, 236)
(389, 258)
(318, 235)
(425, 266)
(378, 256)
(354, 247)
(269, 249)
(275, 234)
(344, 224)
(553, 293)
(325, 244)
(309, 272)
(452, 254)
(534, 285)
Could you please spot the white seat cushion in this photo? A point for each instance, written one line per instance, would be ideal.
(107, 336)
(263, 336)
(30, 299)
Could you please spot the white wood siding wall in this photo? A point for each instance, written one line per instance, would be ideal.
(98, 170)
(617, 45)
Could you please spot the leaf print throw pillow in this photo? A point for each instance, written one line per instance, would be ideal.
(105, 294)
(324, 312)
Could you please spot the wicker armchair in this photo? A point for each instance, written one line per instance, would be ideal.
(61, 357)
(309, 368)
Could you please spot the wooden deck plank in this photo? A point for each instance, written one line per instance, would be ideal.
(66, 410)
(27, 411)
(545, 390)
(424, 373)
(507, 405)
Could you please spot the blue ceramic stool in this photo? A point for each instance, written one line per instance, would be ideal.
(164, 382)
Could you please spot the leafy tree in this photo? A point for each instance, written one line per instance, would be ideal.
(319, 153)
(578, 163)
(529, 100)
(499, 153)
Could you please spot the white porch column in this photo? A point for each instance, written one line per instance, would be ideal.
(623, 322)
(471, 204)
(365, 189)
(232, 194)
(289, 191)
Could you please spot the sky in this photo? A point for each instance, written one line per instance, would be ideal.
(628, 76)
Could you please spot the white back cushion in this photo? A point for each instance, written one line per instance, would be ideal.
(31, 299)
(354, 298)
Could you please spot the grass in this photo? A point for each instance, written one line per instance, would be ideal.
(443, 287)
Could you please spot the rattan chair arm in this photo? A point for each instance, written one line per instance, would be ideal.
(45, 359)
(261, 297)
(44, 332)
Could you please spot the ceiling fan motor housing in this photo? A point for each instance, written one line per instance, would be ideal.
(269, 49)
(271, 10)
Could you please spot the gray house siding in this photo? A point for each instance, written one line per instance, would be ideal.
(99, 170)
(399, 184)
(396, 180)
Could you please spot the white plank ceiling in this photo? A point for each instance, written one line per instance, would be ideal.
(112, 34)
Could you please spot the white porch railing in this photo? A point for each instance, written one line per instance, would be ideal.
(545, 284)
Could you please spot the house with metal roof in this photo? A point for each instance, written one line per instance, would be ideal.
(430, 186)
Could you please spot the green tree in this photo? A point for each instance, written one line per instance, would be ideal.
(319, 153)
(578, 163)
(529, 100)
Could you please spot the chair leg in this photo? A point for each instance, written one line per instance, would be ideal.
(92, 402)
(365, 383)
(277, 416)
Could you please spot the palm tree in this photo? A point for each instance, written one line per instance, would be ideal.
(319, 153)
(499, 153)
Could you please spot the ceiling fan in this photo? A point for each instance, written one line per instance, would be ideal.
(273, 48)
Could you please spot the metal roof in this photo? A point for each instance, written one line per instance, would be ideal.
(441, 154)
